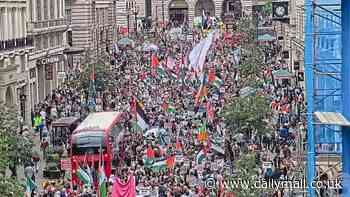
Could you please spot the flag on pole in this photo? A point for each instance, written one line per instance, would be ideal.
(168, 107)
(199, 52)
(202, 133)
(217, 82)
(30, 185)
(211, 75)
(141, 118)
(203, 90)
(83, 176)
(102, 176)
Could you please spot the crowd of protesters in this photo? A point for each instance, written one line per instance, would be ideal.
(138, 77)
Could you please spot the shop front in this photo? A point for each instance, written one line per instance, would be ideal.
(44, 76)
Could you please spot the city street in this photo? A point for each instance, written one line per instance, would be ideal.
(207, 98)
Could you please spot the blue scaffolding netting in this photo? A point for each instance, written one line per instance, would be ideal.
(323, 71)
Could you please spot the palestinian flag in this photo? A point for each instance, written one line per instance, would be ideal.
(102, 182)
(102, 176)
(84, 176)
(30, 185)
(211, 75)
(200, 157)
(168, 107)
(159, 166)
(141, 118)
(217, 82)
(202, 133)
(203, 90)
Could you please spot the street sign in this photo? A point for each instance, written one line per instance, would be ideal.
(66, 164)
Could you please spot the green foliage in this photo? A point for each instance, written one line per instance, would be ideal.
(82, 83)
(247, 170)
(268, 7)
(10, 187)
(15, 149)
(247, 114)
(251, 64)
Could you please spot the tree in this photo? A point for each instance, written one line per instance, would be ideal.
(252, 63)
(15, 150)
(247, 114)
(83, 81)
(245, 182)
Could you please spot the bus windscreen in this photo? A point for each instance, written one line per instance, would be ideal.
(88, 143)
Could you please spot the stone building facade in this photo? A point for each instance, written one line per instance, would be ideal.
(93, 28)
(15, 46)
(179, 10)
(47, 24)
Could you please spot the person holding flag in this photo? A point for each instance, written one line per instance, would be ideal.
(102, 181)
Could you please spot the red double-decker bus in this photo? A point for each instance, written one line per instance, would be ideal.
(98, 130)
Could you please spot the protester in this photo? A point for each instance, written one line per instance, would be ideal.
(190, 142)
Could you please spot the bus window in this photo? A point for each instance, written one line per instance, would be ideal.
(88, 143)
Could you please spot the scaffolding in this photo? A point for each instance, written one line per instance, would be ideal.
(323, 71)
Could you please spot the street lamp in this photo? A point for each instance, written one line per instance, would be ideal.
(136, 11)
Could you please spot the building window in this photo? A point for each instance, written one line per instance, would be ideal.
(2, 24)
(148, 8)
(52, 39)
(38, 10)
(30, 10)
(37, 43)
(52, 9)
(14, 23)
(58, 2)
(45, 41)
(23, 63)
(46, 8)
(60, 38)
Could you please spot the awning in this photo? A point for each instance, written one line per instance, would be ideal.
(72, 50)
(266, 37)
(331, 118)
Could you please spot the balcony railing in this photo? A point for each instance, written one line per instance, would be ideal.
(7, 45)
(46, 24)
